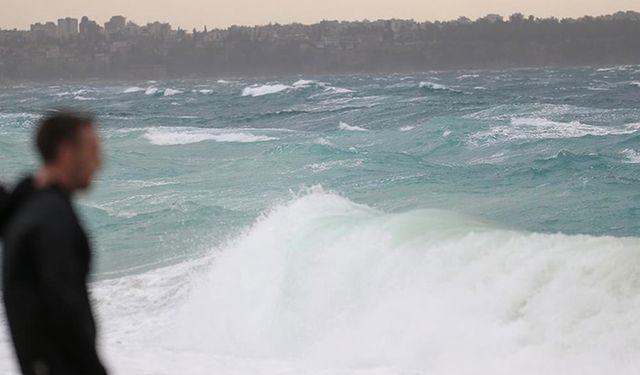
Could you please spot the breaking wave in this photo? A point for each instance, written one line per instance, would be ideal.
(436, 87)
(345, 126)
(171, 92)
(328, 282)
(167, 136)
(133, 89)
(264, 90)
(151, 90)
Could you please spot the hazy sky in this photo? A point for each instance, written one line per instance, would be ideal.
(222, 13)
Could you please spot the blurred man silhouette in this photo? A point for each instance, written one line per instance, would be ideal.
(46, 257)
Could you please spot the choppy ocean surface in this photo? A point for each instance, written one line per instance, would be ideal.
(437, 223)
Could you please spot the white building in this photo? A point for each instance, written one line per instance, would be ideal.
(67, 27)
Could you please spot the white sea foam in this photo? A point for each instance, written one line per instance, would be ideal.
(432, 86)
(83, 98)
(168, 136)
(303, 83)
(133, 89)
(407, 128)
(205, 91)
(151, 90)
(635, 83)
(264, 90)
(338, 90)
(467, 76)
(333, 164)
(437, 87)
(323, 141)
(508, 111)
(541, 128)
(148, 183)
(621, 68)
(633, 156)
(171, 92)
(345, 126)
(330, 284)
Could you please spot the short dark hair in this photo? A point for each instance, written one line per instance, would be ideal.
(57, 127)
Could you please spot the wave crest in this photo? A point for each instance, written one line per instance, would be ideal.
(183, 136)
(264, 90)
(347, 127)
(326, 280)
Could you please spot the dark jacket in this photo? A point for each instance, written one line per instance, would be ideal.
(46, 261)
(4, 198)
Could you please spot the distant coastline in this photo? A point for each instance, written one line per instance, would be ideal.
(121, 50)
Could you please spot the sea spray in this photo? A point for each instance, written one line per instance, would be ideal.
(328, 282)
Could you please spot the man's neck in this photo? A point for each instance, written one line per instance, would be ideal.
(52, 176)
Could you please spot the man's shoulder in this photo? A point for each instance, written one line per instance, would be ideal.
(48, 203)
(43, 206)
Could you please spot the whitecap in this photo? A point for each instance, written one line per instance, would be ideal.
(338, 90)
(633, 156)
(435, 86)
(133, 89)
(323, 141)
(167, 136)
(345, 126)
(407, 128)
(151, 90)
(264, 89)
(302, 83)
(171, 92)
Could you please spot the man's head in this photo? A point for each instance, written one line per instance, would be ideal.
(69, 147)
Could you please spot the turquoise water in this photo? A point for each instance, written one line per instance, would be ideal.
(361, 224)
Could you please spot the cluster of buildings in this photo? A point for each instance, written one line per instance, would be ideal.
(77, 49)
(69, 27)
